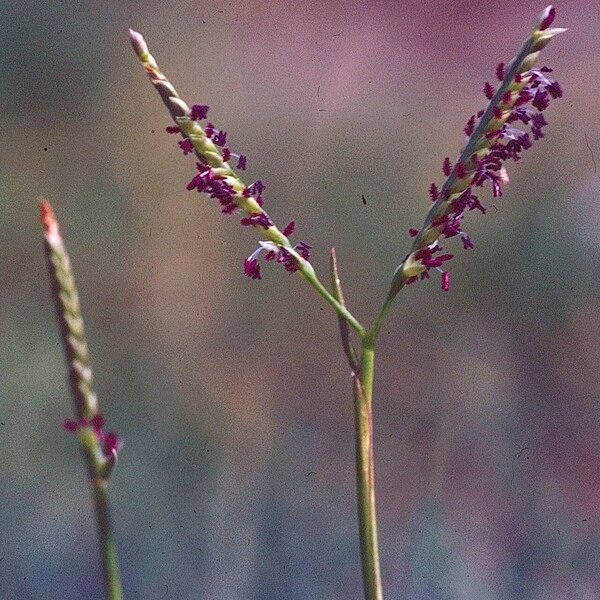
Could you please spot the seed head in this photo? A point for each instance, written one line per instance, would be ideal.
(215, 177)
(509, 125)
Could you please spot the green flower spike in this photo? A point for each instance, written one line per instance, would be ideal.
(100, 448)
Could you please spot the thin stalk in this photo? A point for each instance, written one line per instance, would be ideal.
(381, 317)
(110, 562)
(365, 475)
(362, 380)
(342, 323)
(307, 271)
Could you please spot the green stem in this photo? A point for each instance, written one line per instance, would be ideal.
(381, 316)
(365, 476)
(108, 546)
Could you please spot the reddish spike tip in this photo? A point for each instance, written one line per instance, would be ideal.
(47, 216)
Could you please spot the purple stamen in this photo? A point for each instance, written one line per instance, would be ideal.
(220, 138)
(445, 281)
(289, 228)
(198, 112)
(258, 219)
(186, 146)
(500, 71)
(70, 425)
(447, 166)
(488, 90)
(252, 268)
(433, 192)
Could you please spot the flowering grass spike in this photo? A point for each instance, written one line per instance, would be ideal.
(509, 125)
(217, 178)
(100, 448)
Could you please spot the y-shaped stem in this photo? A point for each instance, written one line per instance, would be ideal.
(362, 379)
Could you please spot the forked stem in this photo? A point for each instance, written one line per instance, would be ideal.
(480, 159)
(362, 383)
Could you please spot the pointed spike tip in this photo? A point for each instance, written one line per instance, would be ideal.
(48, 218)
(47, 215)
(138, 43)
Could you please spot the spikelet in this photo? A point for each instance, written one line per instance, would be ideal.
(100, 447)
(217, 178)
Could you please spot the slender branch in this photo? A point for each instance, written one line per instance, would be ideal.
(378, 323)
(99, 448)
(343, 324)
(340, 308)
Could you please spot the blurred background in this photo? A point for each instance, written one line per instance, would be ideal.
(233, 396)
